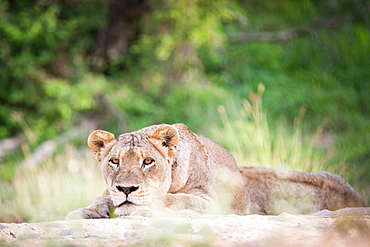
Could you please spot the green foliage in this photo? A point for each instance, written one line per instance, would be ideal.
(37, 39)
(177, 31)
(182, 65)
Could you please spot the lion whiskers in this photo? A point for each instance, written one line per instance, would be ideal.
(138, 199)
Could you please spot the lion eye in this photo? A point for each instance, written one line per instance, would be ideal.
(147, 161)
(114, 161)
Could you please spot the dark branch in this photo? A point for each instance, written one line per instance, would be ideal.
(331, 23)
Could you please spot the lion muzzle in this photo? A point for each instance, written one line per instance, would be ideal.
(127, 190)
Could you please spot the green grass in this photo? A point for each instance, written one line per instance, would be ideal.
(245, 132)
(68, 181)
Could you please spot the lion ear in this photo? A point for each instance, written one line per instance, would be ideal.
(167, 139)
(98, 140)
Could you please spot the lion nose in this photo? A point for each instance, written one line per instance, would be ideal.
(127, 190)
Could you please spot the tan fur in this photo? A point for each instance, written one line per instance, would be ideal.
(274, 191)
(188, 171)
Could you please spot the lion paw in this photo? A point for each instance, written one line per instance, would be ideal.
(77, 215)
(86, 213)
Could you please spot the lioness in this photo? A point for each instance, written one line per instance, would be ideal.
(170, 167)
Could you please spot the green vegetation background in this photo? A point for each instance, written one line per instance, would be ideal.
(186, 62)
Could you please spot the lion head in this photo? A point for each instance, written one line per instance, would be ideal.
(136, 166)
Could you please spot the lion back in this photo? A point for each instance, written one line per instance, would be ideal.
(274, 191)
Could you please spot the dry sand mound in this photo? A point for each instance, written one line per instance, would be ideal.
(346, 227)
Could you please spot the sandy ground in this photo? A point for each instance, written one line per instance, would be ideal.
(346, 227)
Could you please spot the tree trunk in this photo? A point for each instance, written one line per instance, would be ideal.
(114, 39)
